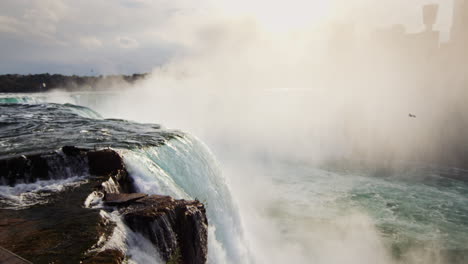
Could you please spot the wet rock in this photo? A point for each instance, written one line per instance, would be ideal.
(73, 151)
(45, 166)
(122, 198)
(23, 169)
(104, 162)
(109, 162)
(108, 256)
(71, 162)
(63, 230)
(178, 228)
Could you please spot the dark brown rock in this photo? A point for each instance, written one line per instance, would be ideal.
(23, 169)
(61, 231)
(75, 162)
(108, 162)
(104, 162)
(178, 228)
(64, 231)
(108, 256)
(122, 198)
(72, 150)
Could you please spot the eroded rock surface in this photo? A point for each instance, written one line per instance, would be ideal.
(178, 228)
(63, 230)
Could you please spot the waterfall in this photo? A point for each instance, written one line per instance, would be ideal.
(185, 169)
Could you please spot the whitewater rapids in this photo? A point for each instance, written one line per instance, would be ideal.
(262, 210)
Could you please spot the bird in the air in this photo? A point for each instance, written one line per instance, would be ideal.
(411, 115)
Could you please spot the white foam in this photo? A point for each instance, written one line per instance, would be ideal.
(24, 195)
(138, 249)
(185, 169)
(94, 200)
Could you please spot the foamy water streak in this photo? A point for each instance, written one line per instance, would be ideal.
(137, 248)
(25, 195)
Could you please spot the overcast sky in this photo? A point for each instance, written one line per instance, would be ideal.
(127, 36)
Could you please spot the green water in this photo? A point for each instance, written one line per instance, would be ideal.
(416, 213)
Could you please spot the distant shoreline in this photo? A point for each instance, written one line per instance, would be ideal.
(34, 83)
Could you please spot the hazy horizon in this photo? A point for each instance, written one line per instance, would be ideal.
(124, 37)
(315, 131)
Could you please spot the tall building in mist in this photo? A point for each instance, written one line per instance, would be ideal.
(430, 16)
(422, 44)
(460, 22)
(429, 38)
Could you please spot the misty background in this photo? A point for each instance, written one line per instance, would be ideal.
(261, 82)
(134, 36)
(319, 76)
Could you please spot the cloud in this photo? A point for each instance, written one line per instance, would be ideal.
(110, 30)
(9, 24)
(127, 43)
(90, 42)
(112, 36)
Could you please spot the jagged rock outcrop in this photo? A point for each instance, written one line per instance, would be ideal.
(23, 169)
(109, 162)
(178, 228)
(120, 199)
(62, 230)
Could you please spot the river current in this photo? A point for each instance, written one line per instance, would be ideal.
(284, 211)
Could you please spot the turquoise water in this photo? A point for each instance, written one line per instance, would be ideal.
(161, 161)
(184, 168)
(419, 213)
(270, 212)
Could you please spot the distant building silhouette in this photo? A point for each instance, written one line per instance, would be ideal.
(431, 36)
(430, 16)
(460, 22)
(418, 55)
(433, 73)
(412, 47)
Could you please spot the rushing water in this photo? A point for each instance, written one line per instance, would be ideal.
(418, 219)
(296, 213)
(161, 161)
(40, 127)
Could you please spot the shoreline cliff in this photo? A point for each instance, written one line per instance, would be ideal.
(71, 226)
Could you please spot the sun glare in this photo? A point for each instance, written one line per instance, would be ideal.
(282, 15)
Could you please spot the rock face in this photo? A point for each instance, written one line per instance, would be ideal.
(104, 162)
(121, 199)
(109, 162)
(178, 228)
(63, 230)
(23, 169)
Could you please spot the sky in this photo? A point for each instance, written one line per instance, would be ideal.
(90, 37)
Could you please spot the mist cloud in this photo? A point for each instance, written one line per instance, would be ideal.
(327, 90)
(73, 37)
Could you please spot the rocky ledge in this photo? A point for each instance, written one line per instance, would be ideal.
(65, 228)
